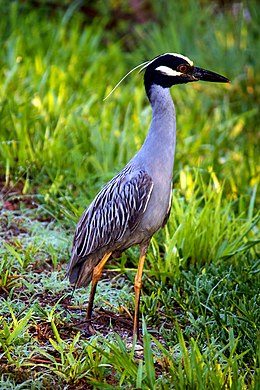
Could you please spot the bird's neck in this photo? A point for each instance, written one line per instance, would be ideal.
(159, 146)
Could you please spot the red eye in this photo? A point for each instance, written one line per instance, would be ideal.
(183, 68)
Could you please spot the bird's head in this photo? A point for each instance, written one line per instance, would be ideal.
(172, 68)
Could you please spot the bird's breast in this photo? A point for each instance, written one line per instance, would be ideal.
(157, 207)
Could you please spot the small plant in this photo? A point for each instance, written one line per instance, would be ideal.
(71, 360)
(13, 334)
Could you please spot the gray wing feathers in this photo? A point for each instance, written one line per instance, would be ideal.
(117, 208)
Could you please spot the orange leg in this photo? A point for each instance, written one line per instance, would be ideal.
(137, 287)
(95, 278)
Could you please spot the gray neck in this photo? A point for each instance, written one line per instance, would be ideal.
(157, 152)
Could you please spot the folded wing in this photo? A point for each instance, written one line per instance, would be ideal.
(115, 211)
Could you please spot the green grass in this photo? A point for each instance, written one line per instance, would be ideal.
(60, 142)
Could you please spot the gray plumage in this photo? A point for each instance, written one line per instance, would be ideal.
(125, 212)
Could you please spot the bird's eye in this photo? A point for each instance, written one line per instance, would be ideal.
(183, 68)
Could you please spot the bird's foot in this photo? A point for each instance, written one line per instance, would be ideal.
(90, 331)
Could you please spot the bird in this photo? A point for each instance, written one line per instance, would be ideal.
(136, 203)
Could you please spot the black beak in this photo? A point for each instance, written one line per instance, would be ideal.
(207, 75)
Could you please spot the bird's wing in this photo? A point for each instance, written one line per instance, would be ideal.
(118, 207)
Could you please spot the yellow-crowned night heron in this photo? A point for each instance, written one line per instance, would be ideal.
(137, 201)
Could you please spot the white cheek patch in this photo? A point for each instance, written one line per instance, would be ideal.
(168, 71)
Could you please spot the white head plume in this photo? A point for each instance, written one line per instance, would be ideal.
(144, 64)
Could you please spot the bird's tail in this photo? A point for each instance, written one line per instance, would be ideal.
(80, 270)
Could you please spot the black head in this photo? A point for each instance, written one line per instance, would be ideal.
(172, 68)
